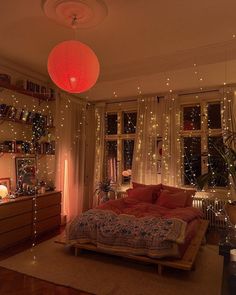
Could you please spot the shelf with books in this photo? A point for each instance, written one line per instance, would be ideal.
(22, 122)
(26, 147)
(39, 92)
(23, 116)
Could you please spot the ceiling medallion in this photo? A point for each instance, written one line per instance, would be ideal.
(89, 13)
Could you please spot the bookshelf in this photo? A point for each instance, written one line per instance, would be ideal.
(26, 131)
(9, 113)
(21, 90)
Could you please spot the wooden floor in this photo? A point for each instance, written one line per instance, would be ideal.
(12, 282)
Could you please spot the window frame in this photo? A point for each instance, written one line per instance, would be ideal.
(119, 109)
(204, 132)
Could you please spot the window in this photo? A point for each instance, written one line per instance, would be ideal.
(200, 133)
(119, 145)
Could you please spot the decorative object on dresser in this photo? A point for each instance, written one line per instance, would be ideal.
(17, 221)
(3, 191)
(6, 182)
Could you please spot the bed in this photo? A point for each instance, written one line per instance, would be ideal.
(154, 224)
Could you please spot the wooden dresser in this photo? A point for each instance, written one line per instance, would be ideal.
(21, 217)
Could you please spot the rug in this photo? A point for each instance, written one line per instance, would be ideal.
(108, 275)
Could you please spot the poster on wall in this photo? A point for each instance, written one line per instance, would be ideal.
(26, 170)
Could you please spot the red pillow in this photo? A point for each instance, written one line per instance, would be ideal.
(189, 192)
(171, 200)
(142, 194)
(156, 188)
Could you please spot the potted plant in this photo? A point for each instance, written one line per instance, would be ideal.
(103, 190)
(227, 154)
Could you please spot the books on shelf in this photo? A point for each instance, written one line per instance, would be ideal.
(26, 147)
(11, 113)
(31, 88)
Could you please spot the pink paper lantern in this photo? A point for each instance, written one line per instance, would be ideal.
(73, 66)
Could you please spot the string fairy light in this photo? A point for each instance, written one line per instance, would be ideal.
(20, 131)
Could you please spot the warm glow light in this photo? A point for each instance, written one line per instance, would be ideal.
(73, 66)
(3, 191)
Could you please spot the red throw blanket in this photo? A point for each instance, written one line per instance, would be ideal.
(134, 207)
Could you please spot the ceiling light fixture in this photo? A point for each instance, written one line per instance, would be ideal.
(72, 65)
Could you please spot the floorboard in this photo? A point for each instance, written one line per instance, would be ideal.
(12, 282)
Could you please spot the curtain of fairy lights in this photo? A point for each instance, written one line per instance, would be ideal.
(171, 151)
(228, 127)
(99, 147)
(144, 166)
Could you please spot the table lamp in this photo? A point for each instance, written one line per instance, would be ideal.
(3, 191)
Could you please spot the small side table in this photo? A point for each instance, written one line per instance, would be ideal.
(229, 270)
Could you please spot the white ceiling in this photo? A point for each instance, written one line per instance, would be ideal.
(140, 44)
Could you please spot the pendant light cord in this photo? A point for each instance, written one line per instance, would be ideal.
(74, 25)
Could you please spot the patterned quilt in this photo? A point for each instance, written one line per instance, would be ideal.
(148, 235)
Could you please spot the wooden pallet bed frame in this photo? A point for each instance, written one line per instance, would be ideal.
(185, 263)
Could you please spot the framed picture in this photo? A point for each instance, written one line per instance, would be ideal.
(7, 182)
(26, 170)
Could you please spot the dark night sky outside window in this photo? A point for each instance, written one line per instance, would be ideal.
(129, 122)
(192, 118)
(192, 159)
(128, 149)
(214, 116)
(111, 124)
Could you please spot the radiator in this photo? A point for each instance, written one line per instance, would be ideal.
(212, 210)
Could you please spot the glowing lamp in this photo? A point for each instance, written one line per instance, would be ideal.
(73, 66)
(127, 173)
(3, 191)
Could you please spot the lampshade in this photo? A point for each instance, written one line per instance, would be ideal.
(3, 191)
(73, 66)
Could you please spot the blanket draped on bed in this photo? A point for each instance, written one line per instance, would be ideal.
(148, 235)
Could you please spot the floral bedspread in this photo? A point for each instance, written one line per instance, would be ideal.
(149, 235)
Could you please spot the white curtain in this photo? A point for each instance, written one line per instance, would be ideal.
(145, 158)
(228, 101)
(99, 148)
(171, 152)
(228, 120)
(70, 153)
